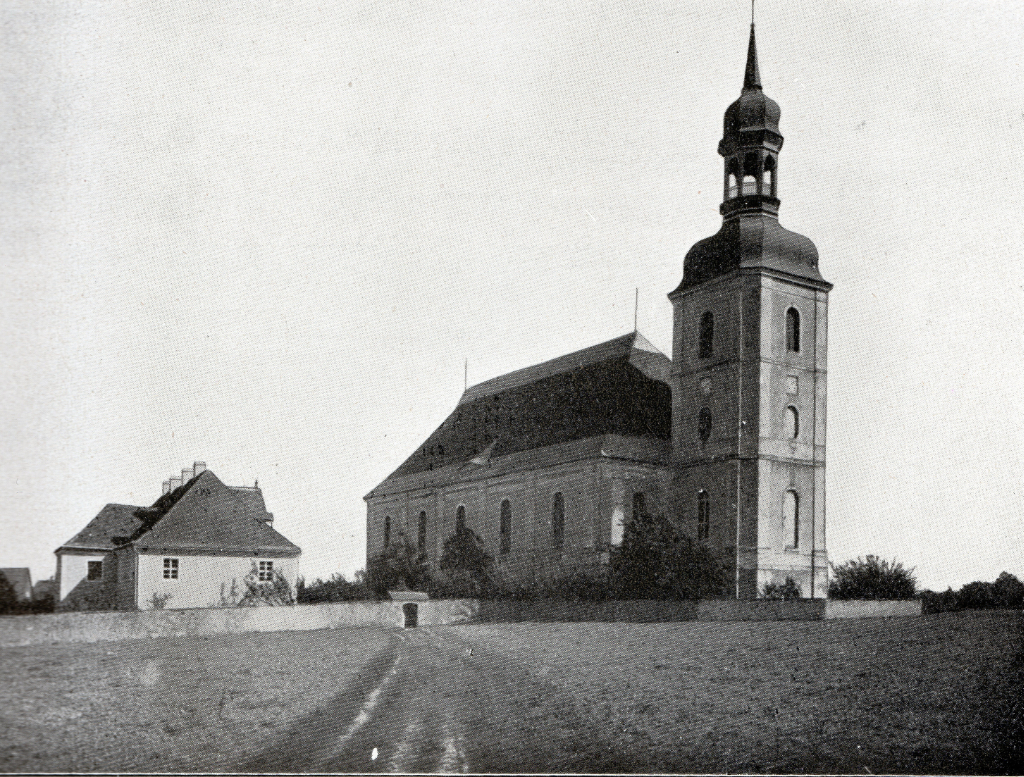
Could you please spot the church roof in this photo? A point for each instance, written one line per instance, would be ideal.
(202, 514)
(748, 243)
(617, 387)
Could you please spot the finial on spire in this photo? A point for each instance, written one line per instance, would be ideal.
(751, 13)
(751, 78)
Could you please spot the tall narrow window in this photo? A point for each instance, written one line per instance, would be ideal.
(706, 345)
(793, 330)
(460, 519)
(558, 521)
(792, 423)
(768, 181)
(703, 515)
(704, 424)
(791, 519)
(421, 532)
(639, 504)
(506, 527)
(387, 531)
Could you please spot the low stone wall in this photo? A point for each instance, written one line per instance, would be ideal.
(627, 611)
(861, 608)
(102, 626)
(760, 610)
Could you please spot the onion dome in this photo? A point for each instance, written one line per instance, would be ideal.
(754, 117)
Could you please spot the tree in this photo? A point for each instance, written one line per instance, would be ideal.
(656, 561)
(467, 567)
(1008, 591)
(9, 604)
(400, 564)
(786, 591)
(872, 578)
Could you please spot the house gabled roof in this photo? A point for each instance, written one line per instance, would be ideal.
(202, 514)
(114, 520)
(618, 387)
(205, 514)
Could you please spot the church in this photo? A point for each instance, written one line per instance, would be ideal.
(726, 438)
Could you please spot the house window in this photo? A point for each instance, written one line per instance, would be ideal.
(703, 515)
(558, 521)
(792, 423)
(639, 505)
(506, 527)
(460, 519)
(387, 531)
(791, 519)
(706, 346)
(793, 330)
(704, 424)
(170, 569)
(266, 571)
(421, 532)
(94, 570)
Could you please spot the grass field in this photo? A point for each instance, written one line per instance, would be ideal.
(182, 704)
(938, 694)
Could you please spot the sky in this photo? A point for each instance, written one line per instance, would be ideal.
(270, 236)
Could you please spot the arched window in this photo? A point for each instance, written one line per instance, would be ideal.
(706, 345)
(791, 519)
(750, 174)
(703, 515)
(793, 330)
(639, 504)
(506, 527)
(732, 174)
(768, 179)
(387, 531)
(558, 521)
(792, 423)
(421, 532)
(704, 424)
(460, 519)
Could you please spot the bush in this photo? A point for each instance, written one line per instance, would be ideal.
(655, 561)
(871, 578)
(9, 604)
(273, 592)
(337, 589)
(399, 566)
(782, 591)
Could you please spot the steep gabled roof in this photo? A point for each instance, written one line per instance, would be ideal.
(201, 514)
(208, 515)
(114, 520)
(617, 387)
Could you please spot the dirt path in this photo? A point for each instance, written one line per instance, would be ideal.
(433, 705)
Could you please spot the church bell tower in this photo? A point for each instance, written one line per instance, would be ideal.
(749, 367)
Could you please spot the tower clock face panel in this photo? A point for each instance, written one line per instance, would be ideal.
(705, 386)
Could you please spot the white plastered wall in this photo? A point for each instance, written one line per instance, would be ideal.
(203, 581)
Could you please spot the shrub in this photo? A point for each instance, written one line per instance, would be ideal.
(273, 592)
(9, 604)
(399, 566)
(1008, 591)
(785, 591)
(655, 561)
(871, 578)
(337, 589)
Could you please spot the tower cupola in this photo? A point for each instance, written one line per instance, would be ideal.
(750, 145)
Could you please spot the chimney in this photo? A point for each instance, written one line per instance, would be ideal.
(175, 482)
(186, 475)
(199, 467)
(167, 487)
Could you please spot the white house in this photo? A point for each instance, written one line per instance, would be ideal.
(201, 544)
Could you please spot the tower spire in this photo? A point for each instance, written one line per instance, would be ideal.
(751, 78)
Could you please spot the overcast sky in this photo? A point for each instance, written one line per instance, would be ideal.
(266, 236)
